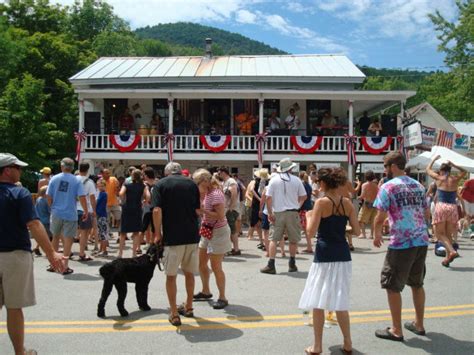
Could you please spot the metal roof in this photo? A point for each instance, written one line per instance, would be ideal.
(317, 68)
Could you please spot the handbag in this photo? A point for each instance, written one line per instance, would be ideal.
(205, 230)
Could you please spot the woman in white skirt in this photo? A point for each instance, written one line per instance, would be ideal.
(329, 279)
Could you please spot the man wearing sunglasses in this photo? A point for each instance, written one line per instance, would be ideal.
(18, 215)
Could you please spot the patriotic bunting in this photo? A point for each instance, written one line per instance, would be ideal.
(351, 155)
(261, 139)
(306, 144)
(376, 145)
(215, 143)
(79, 137)
(445, 139)
(126, 142)
(169, 141)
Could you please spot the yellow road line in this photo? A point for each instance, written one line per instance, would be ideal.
(217, 326)
(229, 318)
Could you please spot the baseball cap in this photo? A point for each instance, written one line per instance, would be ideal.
(185, 172)
(46, 171)
(7, 159)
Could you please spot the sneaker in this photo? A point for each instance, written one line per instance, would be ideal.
(268, 270)
(292, 268)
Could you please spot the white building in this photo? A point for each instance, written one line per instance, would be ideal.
(211, 92)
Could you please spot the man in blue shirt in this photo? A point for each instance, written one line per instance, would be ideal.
(16, 264)
(63, 191)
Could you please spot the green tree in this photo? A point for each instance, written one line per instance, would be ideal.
(115, 44)
(153, 48)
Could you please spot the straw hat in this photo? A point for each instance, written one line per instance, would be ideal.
(262, 174)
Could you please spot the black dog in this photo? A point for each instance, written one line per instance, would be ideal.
(137, 270)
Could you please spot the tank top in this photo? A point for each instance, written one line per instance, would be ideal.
(331, 244)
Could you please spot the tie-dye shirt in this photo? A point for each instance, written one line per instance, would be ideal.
(404, 200)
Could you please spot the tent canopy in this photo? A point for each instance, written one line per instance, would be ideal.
(420, 162)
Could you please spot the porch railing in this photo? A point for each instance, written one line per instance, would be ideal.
(238, 144)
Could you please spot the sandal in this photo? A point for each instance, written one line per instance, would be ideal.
(185, 312)
(387, 334)
(306, 251)
(351, 247)
(220, 304)
(50, 268)
(202, 296)
(68, 271)
(346, 352)
(174, 320)
(85, 258)
(412, 328)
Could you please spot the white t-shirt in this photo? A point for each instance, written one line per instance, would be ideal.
(89, 189)
(292, 122)
(284, 189)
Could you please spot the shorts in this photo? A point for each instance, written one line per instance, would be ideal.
(265, 222)
(148, 221)
(302, 215)
(231, 219)
(103, 228)
(84, 224)
(61, 227)
(185, 256)
(445, 212)
(469, 208)
(404, 267)
(17, 287)
(289, 221)
(48, 231)
(114, 211)
(367, 214)
(220, 242)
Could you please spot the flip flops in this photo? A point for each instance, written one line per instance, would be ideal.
(174, 320)
(412, 328)
(185, 312)
(202, 296)
(68, 271)
(386, 334)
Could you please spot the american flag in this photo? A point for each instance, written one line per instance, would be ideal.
(445, 139)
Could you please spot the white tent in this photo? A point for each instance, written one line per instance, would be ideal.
(420, 162)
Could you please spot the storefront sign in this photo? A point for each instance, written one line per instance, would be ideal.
(375, 167)
(428, 136)
(412, 134)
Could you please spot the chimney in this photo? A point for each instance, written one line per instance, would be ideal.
(208, 48)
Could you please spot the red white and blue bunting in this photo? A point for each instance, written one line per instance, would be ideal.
(306, 144)
(215, 143)
(169, 142)
(376, 145)
(79, 137)
(261, 139)
(125, 143)
(351, 154)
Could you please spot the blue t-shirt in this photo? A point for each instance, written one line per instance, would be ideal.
(16, 210)
(64, 190)
(43, 210)
(404, 200)
(101, 206)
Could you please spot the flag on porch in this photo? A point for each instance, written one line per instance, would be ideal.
(445, 139)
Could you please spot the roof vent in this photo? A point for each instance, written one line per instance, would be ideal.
(209, 48)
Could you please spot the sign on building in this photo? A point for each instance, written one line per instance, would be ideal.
(412, 134)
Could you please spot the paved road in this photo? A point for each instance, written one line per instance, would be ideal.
(262, 318)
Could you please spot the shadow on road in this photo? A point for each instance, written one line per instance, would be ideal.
(82, 277)
(244, 313)
(438, 343)
(125, 323)
(209, 331)
(336, 349)
(462, 268)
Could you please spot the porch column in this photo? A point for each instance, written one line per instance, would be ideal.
(232, 123)
(350, 167)
(260, 126)
(402, 119)
(170, 115)
(81, 114)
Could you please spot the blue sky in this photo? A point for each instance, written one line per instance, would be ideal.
(378, 33)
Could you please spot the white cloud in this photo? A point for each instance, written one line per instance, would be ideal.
(299, 8)
(244, 16)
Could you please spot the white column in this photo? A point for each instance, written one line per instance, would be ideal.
(170, 115)
(232, 123)
(350, 168)
(81, 114)
(402, 119)
(260, 115)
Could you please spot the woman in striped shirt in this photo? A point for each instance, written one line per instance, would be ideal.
(212, 249)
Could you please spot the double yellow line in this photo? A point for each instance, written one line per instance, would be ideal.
(254, 322)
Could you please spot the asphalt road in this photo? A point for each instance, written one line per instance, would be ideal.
(262, 317)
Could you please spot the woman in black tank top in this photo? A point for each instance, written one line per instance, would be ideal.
(328, 283)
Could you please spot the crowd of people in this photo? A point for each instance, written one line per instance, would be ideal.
(199, 218)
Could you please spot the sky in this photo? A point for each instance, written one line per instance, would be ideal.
(377, 33)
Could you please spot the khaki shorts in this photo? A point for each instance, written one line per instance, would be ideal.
(404, 267)
(220, 242)
(61, 227)
(114, 211)
(288, 221)
(17, 287)
(185, 256)
(367, 214)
